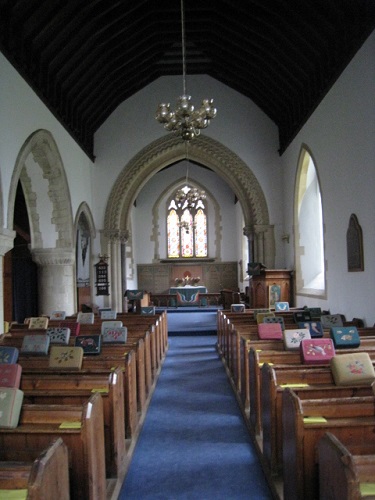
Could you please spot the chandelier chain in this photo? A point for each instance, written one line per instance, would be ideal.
(183, 45)
(185, 121)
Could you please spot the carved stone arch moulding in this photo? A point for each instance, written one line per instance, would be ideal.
(42, 146)
(170, 148)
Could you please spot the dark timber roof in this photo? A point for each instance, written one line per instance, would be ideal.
(84, 57)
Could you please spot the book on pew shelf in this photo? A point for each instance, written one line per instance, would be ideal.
(10, 375)
(275, 319)
(59, 335)
(110, 314)
(91, 344)
(315, 328)
(329, 320)
(270, 331)
(345, 336)
(115, 335)
(35, 344)
(110, 324)
(86, 318)
(57, 315)
(66, 358)
(317, 351)
(261, 316)
(148, 310)
(40, 322)
(281, 306)
(294, 336)
(353, 369)
(300, 316)
(11, 400)
(73, 326)
(8, 354)
(237, 308)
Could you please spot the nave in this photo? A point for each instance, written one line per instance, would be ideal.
(194, 443)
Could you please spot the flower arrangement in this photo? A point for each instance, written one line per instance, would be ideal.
(195, 280)
(179, 281)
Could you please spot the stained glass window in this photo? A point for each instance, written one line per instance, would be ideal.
(186, 230)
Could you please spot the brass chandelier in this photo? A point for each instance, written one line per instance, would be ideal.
(185, 121)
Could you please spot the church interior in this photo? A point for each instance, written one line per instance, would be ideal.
(175, 158)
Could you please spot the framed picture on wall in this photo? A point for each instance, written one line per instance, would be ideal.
(354, 243)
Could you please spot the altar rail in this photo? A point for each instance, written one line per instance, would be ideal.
(169, 300)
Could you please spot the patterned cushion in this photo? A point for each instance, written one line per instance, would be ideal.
(109, 314)
(59, 335)
(294, 336)
(329, 320)
(345, 336)
(183, 301)
(352, 369)
(281, 306)
(315, 327)
(57, 315)
(275, 319)
(317, 351)
(85, 318)
(38, 322)
(110, 324)
(237, 308)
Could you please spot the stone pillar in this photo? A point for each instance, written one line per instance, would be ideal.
(56, 279)
(262, 242)
(116, 239)
(6, 244)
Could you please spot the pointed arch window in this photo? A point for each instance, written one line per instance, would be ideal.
(187, 225)
(309, 236)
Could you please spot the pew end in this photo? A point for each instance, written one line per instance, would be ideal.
(341, 473)
(44, 478)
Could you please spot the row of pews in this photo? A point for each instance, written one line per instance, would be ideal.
(315, 439)
(95, 412)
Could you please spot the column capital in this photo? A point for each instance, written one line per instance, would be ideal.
(53, 256)
(6, 240)
(121, 235)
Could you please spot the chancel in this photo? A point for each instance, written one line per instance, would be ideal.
(186, 200)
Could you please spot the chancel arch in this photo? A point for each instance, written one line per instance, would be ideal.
(205, 151)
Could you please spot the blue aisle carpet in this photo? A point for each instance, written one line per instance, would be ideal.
(194, 444)
(192, 321)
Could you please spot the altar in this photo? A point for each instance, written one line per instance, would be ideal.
(188, 295)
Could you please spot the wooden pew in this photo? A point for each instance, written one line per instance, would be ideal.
(247, 339)
(307, 383)
(40, 424)
(125, 358)
(258, 358)
(138, 338)
(352, 419)
(76, 388)
(44, 477)
(343, 473)
(99, 364)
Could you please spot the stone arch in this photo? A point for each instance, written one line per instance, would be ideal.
(84, 210)
(168, 149)
(42, 146)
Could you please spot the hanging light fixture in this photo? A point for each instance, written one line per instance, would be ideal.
(189, 198)
(185, 121)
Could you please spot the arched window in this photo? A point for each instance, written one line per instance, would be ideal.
(187, 224)
(309, 236)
